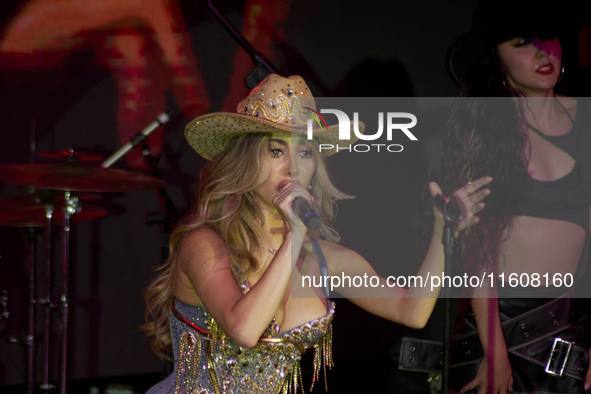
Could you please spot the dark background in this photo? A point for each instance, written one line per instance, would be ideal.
(342, 48)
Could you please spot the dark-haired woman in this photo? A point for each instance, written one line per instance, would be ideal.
(224, 299)
(510, 123)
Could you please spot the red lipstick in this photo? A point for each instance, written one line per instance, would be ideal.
(546, 69)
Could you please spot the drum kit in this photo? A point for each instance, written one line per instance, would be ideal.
(66, 192)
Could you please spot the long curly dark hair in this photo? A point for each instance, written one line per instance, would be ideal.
(483, 136)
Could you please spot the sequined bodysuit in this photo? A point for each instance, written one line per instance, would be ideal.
(206, 361)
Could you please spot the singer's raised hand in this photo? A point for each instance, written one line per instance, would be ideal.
(469, 198)
(290, 190)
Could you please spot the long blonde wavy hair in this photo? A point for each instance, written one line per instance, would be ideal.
(226, 202)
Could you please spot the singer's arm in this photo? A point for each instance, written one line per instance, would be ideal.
(411, 306)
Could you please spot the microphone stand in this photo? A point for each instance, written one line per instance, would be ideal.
(162, 119)
(262, 66)
(169, 216)
(452, 214)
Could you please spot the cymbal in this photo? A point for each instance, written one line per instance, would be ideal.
(14, 215)
(75, 176)
(71, 154)
(46, 197)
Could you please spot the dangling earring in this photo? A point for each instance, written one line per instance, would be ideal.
(309, 187)
(561, 72)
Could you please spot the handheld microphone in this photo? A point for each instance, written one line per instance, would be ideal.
(303, 210)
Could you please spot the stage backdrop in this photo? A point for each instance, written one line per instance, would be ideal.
(90, 75)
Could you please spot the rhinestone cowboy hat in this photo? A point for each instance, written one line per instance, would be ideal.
(276, 105)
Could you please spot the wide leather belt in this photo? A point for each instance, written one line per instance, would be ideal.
(524, 335)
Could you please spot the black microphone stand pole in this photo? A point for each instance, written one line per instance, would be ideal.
(452, 215)
(259, 60)
(169, 215)
(161, 120)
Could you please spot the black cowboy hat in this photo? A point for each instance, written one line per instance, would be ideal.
(496, 21)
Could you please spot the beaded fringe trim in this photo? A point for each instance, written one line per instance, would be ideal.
(323, 356)
(190, 356)
(190, 349)
(322, 359)
(189, 360)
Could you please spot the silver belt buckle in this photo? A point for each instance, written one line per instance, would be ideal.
(556, 347)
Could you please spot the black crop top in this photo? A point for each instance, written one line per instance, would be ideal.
(569, 197)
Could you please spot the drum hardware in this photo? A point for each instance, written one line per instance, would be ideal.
(46, 386)
(4, 314)
(71, 207)
(37, 211)
(32, 233)
(30, 210)
(76, 176)
(27, 340)
(70, 154)
(45, 197)
(47, 303)
(15, 340)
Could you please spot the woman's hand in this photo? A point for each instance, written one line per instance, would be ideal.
(503, 377)
(469, 199)
(283, 201)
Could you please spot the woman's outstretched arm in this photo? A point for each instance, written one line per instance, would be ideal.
(409, 306)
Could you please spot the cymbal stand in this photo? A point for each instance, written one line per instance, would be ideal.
(71, 207)
(48, 305)
(29, 341)
(4, 314)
